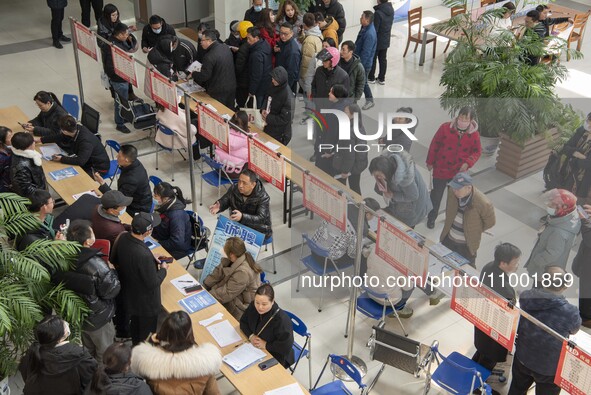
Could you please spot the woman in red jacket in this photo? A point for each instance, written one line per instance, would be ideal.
(268, 33)
(455, 148)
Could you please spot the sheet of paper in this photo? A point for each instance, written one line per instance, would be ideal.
(189, 86)
(583, 340)
(440, 249)
(91, 192)
(184, 281)
(292, 389)
(224, 334)
(211, 320)
(243, 356)
(212, 108)
(195, 66)
(48, 150)
(272, 145)
(62, 174)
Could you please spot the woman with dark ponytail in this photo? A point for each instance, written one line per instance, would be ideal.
(114, 376)
(53, 364)
(5, 158)
(47, 122)
(175, 230)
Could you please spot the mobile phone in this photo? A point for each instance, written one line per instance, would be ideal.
(269, 363)
(165, 259)
(149, 243)
(193, 288)
(583, 212)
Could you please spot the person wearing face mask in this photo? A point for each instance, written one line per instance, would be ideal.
(233, 41)
(455, 148)
(105, 216)
(468, 214)
(268, 327)
(153, 31)
(175, 230)
(253, 13)
(53, 364)
(558, 234)
(97, 283)
(577, 149)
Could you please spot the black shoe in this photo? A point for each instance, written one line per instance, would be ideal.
(65, 39)
(430, 223)
(123, 129)
(57, 44)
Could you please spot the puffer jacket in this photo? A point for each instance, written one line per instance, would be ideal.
(356, 76)
(449, 150)
(554, 311)
(366, 44)
(133, 182)
(174, 232)
(26, 173)
(311, 45)
(191, 371)
(259, 65)
(96, 283)
(47, 123)
(184, 54)
(289, 57)
(151, 39)
(237, 157)
(129, 46)
(123, 384)
(330, 30)
(161, 55)
(554, 243)
(281, 109)
(217, 74)
(5, 160)
(383, 20)
(411, 202)
(334, 9)
(178, 123)
(241, 65)
(233, 284)
(254, 208)
(479, 215)
(325, 79)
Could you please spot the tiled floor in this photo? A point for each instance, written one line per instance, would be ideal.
(29, 64)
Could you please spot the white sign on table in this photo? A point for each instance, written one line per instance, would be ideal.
(163, 91)
(213, 127)
(124, 65)
(268, 164)
(323, 200)
(85, 40)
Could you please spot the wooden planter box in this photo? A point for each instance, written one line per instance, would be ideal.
(518, 161)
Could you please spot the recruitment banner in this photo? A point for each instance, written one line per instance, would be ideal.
(323, 200)
(85, 40)
(574, 370)
(224, 229)
(124, 65)
(401, 250)
(484, 309)
(163, 91)
(213, 127)
(268, 164)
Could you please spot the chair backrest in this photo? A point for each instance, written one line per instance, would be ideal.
(458, 10)
(113, 146)
(415, 17)
(90, 118)
(348, 368)
(71, 104)
(375, 294)
(579, 25)
(298, 325)
(315, 248)
(104, 246)
(165, 129)
(456, 375)
(395, 350)
(155, 180)
(263, 278)
(212, 162)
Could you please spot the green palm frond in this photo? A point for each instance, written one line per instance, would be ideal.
(67, 304)
(16, 305)
(19, 265)
(58, 255)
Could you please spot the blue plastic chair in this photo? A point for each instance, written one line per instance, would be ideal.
(367, 306)
(214, 177)
(316, 267)
(264, 280)
(301, 351)
(336, 387)
(155, 180)
(266, 242)
(160, 127)
(71, 104)
(200, 237)
(459, 374)
(114, 168)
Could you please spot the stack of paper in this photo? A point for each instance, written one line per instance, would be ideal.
(195, 66)
(184, 281)
(91, 192)
(224, 334)
(292, 389)
(243, 356)
(48, 150)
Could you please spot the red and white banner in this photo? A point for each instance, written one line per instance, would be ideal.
(163, 91)
(85, 40)
(484, 309)
(124, 65)
(574, 371)
(213, 127)
(401, 250)
(325, 201)
(266, 163)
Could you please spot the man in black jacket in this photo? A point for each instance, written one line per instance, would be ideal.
(184, 54)
(95, 281)
(140, 274)
(253, 13)
(549, 22)
(582, 269)
(217, 71)
(332, 8)
(132, 182)
(382, 21)
(351, 63)
(248, 203)
(152, 32)
(259, 65)
(278, 112)
(328, 75)
(87, 150)
(26, 172)
(289, 55)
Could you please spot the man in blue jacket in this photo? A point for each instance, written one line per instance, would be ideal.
(365, 46)
(382, 21)
(288, 55)
(259, 65)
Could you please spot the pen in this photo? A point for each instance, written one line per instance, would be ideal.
(185, 281)
(241, 343)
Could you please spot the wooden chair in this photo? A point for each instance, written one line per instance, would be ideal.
(484, 3)
(415, 17)
(455, 11)
(576, 35)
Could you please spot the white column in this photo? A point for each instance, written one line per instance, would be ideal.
(226, 11)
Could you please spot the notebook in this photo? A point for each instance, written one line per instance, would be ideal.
(63, 173)
(243, 357)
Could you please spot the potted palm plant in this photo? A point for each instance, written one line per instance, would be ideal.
(26, 292)
(515, 101)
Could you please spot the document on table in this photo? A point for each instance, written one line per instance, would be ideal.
(195, 66)
(184, 281)
(197, 302)
(223, 333)
(272, 146)
(292, 389)
(62, 174)
(78, 195)
(48, 150)
(243, 356)
(189, 86)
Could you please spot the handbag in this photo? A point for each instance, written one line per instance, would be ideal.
(254, 115)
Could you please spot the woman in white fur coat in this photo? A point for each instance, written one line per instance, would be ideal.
(172, 363)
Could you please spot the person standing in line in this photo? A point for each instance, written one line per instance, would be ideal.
(582, 269)
(57, 16)
(288, 55)
(365, 45)
(97, 7)
(241, 65)
(383, 20)
(278, 111)
(351, 63)
(360, 158)
(259, 66)
(455, 148)
(311, 46)
(253, 13)
(332, 8)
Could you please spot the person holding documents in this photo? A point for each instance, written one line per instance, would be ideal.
(268, 327)
(173, 363)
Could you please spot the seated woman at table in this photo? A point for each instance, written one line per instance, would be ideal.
(5, 158)
(178, 124)
(87, 150)
(173, 363)
(26, 173)
(268, 327)
(234, 281)
(505, 23)
(174, 232)
(47, 122)
(235, 160)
